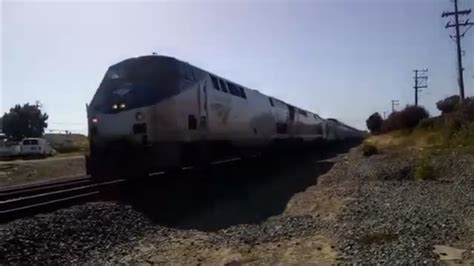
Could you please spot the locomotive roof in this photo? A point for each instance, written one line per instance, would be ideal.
(149, 58)
(144, 58)
(342, 124)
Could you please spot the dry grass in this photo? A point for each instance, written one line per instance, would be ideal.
(19, 172)
(438, 138)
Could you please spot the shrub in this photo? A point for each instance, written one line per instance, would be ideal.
(424, 170)
(437, 122)
(408, 118)
(369, 150)
(466, 110)
(412, 115)
(427, 123)
(374, 123)
(464, 136)
(449, 104)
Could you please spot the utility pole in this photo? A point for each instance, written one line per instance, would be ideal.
(421, 82)
(395, 103)
(457, 39)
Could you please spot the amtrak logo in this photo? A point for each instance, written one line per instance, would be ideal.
(121, 91)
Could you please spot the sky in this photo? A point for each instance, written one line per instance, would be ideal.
(339, 58)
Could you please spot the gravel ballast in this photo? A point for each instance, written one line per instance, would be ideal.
(361, 209)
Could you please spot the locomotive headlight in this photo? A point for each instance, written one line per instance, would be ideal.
(114, 106)
(122, 105)
(139, 116)
(95, 120)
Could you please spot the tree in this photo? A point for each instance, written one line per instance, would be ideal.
(24, 121)
(374, 123)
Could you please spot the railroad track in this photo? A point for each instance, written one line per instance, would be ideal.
(19, 201)
(25, 200)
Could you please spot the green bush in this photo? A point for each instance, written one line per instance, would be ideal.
(424, 170)
(464, 136)
(448, 105)
(369, 150)
(426, 123)
(408, 118)
(374, 123)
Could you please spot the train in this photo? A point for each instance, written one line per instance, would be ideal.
(152, 113)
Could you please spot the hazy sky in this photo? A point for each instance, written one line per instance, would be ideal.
(342, 59)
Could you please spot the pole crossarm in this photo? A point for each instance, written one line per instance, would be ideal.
(462, 12)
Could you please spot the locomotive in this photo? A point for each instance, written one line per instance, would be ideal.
(156, 112)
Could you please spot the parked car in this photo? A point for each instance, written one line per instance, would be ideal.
(8, 148)
(36, 146)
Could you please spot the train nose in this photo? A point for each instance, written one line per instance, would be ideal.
(124, 125)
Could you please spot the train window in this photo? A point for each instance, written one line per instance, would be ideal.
(233, 89)
(302, 112)
(223, 86)
(30, 142)
(192, 122)
(158, 77)
(242, 93)
(215, 82)
(271, 101)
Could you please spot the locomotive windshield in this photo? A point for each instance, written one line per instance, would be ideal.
(135, 83)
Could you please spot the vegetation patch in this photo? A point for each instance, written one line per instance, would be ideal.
(424, 170)
(413, 129)
(408, 118)
(369, 149)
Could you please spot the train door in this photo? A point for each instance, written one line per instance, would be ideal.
(331, 131)
(203, 111)
(199, 152)
(291, 123)
(325, 130)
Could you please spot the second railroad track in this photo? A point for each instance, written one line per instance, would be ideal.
(19, 201)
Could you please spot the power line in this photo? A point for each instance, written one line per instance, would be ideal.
(457, 38)
(421, 82)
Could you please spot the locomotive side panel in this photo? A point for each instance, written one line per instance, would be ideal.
(242, 117)
(262, 122)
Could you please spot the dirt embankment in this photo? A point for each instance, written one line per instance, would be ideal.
(322, 208)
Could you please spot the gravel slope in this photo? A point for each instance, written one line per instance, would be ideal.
(355, 210)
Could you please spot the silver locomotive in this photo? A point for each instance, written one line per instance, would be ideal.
(156, 112)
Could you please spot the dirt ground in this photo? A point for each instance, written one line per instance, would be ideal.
(25, 171)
